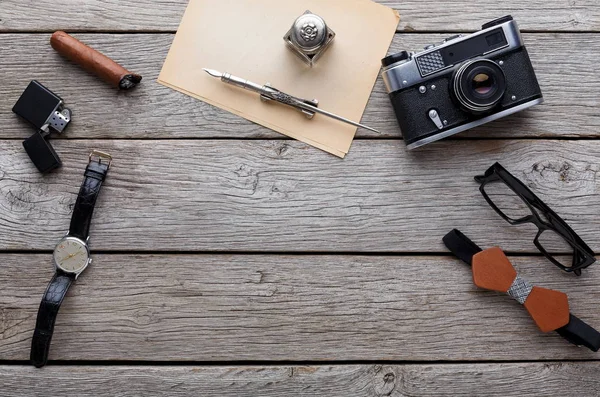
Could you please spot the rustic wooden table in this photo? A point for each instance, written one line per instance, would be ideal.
(230, 260)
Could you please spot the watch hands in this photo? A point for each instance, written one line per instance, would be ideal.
(70, 256)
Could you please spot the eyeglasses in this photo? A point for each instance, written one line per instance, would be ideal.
(514, 202)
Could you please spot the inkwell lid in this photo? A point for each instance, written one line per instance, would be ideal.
(309, 32)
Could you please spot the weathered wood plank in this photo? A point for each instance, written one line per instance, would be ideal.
(151, 15)
(222, 195)
(154, 111)
(281, 307)
(558, 379)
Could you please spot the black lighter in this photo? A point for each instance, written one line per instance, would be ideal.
(44, 110)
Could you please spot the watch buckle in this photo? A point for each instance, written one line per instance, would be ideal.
(99, 156)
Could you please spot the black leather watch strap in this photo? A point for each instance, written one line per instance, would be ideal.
(44, 326)
(95, 174)
(576, 331)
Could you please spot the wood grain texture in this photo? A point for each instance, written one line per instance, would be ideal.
(559, 379)
(151, 15)
(154, 111)
(275, 196)
(285, 307)
(219, 241)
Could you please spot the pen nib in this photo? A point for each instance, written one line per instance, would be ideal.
(213, 73)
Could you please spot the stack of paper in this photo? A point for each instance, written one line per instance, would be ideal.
(245, 38)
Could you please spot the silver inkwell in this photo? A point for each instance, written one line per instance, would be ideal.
(309, 37)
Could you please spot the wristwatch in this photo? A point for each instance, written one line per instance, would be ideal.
(71, 256)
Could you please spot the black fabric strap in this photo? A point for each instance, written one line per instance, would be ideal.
(44, 326)
(463, 248)
(577, 332)
(581, 334)
(95, 174)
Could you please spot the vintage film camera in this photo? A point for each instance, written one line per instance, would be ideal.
(461, 83)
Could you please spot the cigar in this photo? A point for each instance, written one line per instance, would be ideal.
(94, 61)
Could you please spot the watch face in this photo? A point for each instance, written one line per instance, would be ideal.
(71, 255)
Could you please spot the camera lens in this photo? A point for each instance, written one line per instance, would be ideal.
(479, 85)
(482, 84)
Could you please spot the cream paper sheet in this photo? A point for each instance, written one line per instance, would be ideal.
(245, 38)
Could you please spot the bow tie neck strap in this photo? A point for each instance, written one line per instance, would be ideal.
(492, 270)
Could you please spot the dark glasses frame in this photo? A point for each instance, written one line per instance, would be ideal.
(583, 256)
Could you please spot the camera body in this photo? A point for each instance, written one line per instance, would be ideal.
(461, 83)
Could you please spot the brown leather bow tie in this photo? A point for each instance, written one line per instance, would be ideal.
(493, 271)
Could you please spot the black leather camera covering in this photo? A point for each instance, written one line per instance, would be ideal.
(412, 108)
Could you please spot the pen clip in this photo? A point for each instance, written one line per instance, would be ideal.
(290, 100)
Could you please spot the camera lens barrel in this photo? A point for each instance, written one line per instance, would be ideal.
(479, 85)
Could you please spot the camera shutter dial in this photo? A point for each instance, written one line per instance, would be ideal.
(394, 58)
(497, 22)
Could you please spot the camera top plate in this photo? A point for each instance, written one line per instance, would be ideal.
(420, 67)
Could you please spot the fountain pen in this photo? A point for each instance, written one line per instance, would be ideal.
(267, 93)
